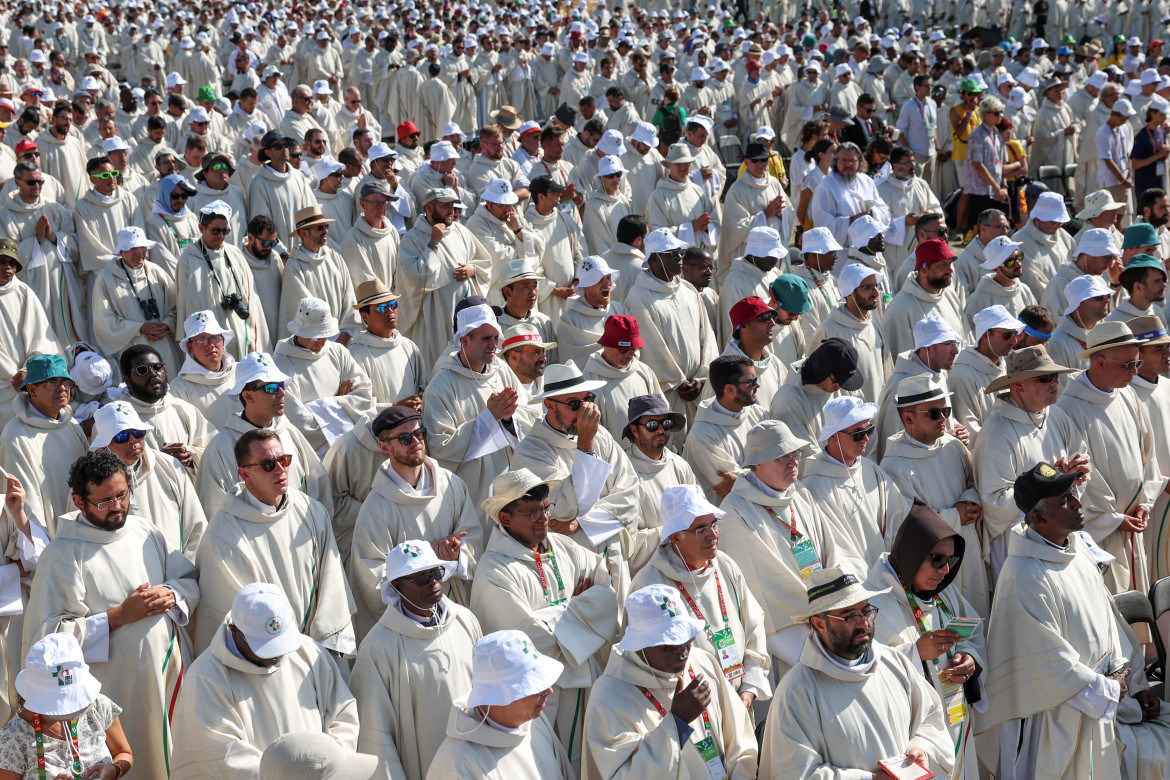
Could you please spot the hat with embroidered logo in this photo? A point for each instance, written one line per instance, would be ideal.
(655, 616)
(263, 614)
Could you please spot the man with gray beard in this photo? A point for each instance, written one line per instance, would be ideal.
(845, 195)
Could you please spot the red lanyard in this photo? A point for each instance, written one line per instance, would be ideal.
(556, 573)
(1153, 140)
(662, 711)
(695, 607)
(796, 535)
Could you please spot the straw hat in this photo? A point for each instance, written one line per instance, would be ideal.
(307, 217)
(1107, 335)
(507, 116)
(1026, 363)
(511, 486)
(372, 291)
(830, 589)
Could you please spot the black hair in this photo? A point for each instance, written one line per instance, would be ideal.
(95, 468)
(724, 370)
(133, 352)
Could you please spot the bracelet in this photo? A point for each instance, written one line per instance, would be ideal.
(122, 770)
(517, 231)
(432, 245)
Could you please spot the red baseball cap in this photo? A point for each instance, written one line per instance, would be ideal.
(930, 252)
(747, 310)
(621, 332)
(752, 64)
(25, 146)
(407, 128)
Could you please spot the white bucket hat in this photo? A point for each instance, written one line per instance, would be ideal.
(645, 133)
(1097, 203)
(852, 276)
(313, 320)
(326, 168)
(321, 86)
(611, 143)
(995, 317)
(1096, 242)
(770, 440)
(662, 240)
(1082, 289)
(681, 504)
(132, 237)
(997, 250)
(765, 242)
(443, 151)
(112, 419)
(500, 191)
(655, 616)
(506, 667)
(830, 589)
(840, 413)
(609, 165)
(114, 144)
(203, 322)
(698, 74)
(591, 270)
(474, 317)
(56, 681)
(411, 557)
(819, 241)
(863, 229)
(451, 128)
(264, 616)
(564, 378)
(934, 330)
(1050, 206)
(256, 367)
(91, 372)
(314, 755)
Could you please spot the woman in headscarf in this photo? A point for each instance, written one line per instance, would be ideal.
(171, 223)
(915, 614)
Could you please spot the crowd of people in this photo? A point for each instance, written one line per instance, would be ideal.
(420, 392)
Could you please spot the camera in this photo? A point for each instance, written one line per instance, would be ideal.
(149, 308)
(235, 303)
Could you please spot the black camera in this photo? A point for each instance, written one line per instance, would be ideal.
(235, 303)
(149, 308)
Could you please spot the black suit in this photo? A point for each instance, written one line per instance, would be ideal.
(856, 133)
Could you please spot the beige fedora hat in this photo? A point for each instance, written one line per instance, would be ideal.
(307, 217)
(830, 589)
(1107, 335)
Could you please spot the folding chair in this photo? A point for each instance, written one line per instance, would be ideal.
(1135, 608)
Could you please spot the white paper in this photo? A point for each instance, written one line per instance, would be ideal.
(331, 417)
(599, 526)
(10, 603)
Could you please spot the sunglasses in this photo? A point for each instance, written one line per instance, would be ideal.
(1132, 365)
(218, 231)
(1013, 261)
(406, 438)
(103, 174)
(937, 413)
(32, 182)
(180, 196)
(753, 382)
(612, 176)
(220, 167)
(653, 425)
(269, 244)
(575, 404)
(937, 560)
(149, 368)
(121, 437)
(427, 577)
(29, 155)
(272, 388)
(863, 434)
(386, 306)
(1045, 379)
(270, 464)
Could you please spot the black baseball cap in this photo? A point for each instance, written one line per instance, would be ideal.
(833, 358)
(756, 152)
(1040, 482)
(542, 185)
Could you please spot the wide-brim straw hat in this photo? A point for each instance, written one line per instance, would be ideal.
(830, 589)
(511, 486)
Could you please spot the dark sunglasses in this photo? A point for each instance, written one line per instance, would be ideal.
(32, 182)
(269, 244)
(386, 306)
(149, 368)
(406, 438)
(121, 437)
(575, 404)
(427, 577)
(272, 388)
(653, 425)
(219, 231)
(270, 464)
(937, 413)
(938, 560)
(864, 433)
(1045, 379)
(179, 196)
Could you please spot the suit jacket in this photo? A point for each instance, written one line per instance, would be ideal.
(856, 133)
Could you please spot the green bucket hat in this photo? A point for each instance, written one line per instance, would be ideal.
(41, 368)
(791, 294)
(1145, 261)
(1140, 234)
(969, 85)
(205, 94)
(9, 249)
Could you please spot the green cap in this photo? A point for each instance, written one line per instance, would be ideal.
(1119, 39)
(41, 368)
(205, 94)
(10, 249)
(1145, 261)
(1068, 39)
(791, 294)
(969, 85)
(1140, 234)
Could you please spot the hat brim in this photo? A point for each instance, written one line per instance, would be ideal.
(855, 381)
(60, 705)
(1091, 213)
(688, 159)
(309, 224)
(681, 630)
(542, 676)
(379, 298)
(679, 421)
(277, 646)
(1004, 382)
(14, 257)
(511, 124)
(847, 597)
(325, 330)
(584, 386)
(493, 504)
(1090, 351)
(240, 384)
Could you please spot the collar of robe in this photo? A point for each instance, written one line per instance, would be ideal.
(633, 669)
(825, 465)
(388, 344)
(754, 490)
(979, 362)
(667, 561)
(291, 349)
(815, 656)
(86, 532)
(363, 226)
(1023, 542)
(393, 619)
(450, 362)
(25, 411)
(384, 486)
(653, 283)
(916, 290)
(469, 725)
(596, 366)
(194, 372)
(240, 507)
(1018, 414)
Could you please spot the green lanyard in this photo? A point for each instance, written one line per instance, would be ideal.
(76, 748)
(544, 583)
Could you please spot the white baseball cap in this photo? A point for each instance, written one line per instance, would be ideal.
(655, 616)
(378, 151)
(765, 242)
(934, 330)
(326, 168)
(112, 419)
(842, 412)
(506, 666)
(591, 270)
(1082, 289)
(262, 613)
(474, 317)
(995, 317)
(1124, 107)
(662, 240)
(680, 505)
(997, 250)
(114, 144)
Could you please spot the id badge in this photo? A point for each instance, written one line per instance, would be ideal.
(710, 754)
(955, 703)
(1160, 168)
(729, 656)
(806, 557)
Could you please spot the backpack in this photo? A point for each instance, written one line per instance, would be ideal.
(672, 129)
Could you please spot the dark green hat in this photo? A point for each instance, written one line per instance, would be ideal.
(41, 368)
(1140, 234)
(1145, 261)
(791, 294)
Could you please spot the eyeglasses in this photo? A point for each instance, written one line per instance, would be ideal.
(575, 404)
(938, 560)
(701, 266)
(535, 515)
(218, 231)
(1045, 379)
(57, 382)
(101, 506)
(612, 176)
(653, 425)
(868, 287)
(940, 232)
(270, 464)
(103, 174)
(205, 341)
(936, 413)
(425, 578)
(864, 433)
(271, 388)
(386, 306)
(709, 529)
(994, 113)
(29, 155)
(32, 182)
(406, 438)
(1132, 365)
(856, 619)
(121, 437)
(753, 382)
(295, 155)
(149, 368)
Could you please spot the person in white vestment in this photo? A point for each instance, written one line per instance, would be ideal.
(391, 361)
(540, 582)
(497, 729)
(662, 709)
(414, 662)
(997, 333)
(855, 323)
(112, 581)
(1005, 260)
(894, 714)
(25, 328)
(261, 679)
(525, 350)
(750, 274)
(753, 335)
(927, 292)
(583, 319)
(831, 370)
(209, 371)
(845, 194)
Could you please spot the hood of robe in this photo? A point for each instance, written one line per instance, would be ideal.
(919, 533)
(387, 489)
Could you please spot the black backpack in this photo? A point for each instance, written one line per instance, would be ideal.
(672, 128)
